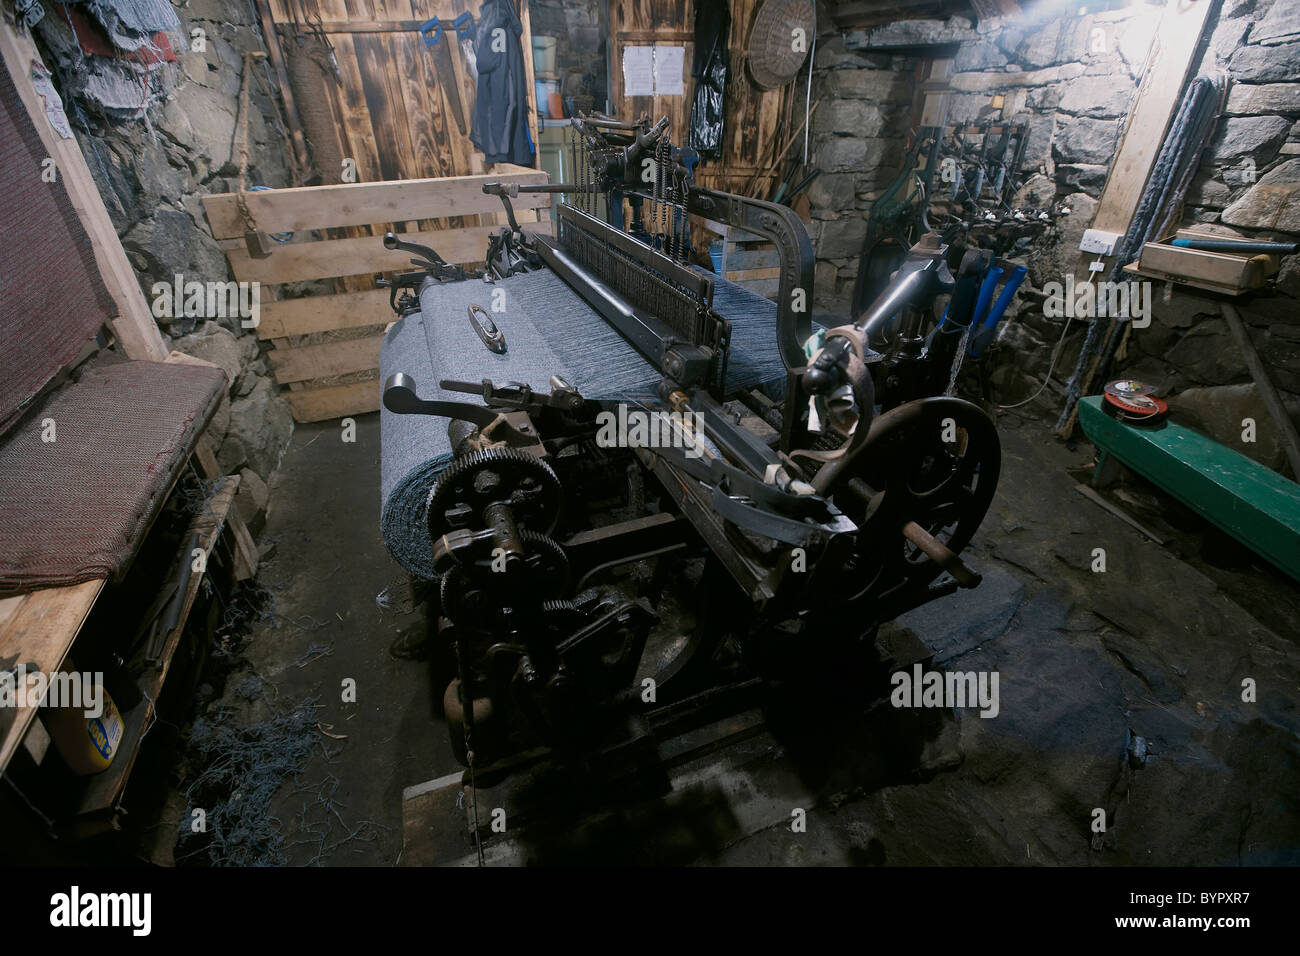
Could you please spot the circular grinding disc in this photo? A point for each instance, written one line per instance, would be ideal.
(1136, 408)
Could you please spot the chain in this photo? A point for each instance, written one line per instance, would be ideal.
(683, 221)
(576, 199)
(960, 357)
(663, 187)
(466, 721)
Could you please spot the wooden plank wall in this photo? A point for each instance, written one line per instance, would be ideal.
(756, 122)
(392, 106)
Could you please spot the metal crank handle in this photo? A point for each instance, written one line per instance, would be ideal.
(392, 242)
(941, 555)
(400, 398)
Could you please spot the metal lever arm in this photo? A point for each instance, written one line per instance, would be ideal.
(400, 398)
(432, 258)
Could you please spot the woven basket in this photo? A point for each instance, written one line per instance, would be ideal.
(773, 59)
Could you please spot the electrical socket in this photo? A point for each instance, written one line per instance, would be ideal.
(1098, 242)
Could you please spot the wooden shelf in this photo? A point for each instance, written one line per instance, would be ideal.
(40, 628)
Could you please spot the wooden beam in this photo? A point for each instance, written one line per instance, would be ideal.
(321, 404)
(133, 325)
(321, 361)
(1173, 53)
(291, 114)
(356, 26)
(1172, 56)
(1267, 391)
(323, 313)
(363, 204)
(363, 255)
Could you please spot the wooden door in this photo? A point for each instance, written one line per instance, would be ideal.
(756, 123)
(395, 109)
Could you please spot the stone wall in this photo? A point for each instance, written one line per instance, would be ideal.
(152, 173)
(1070, 79)
(1073, 80)
(1248, 184)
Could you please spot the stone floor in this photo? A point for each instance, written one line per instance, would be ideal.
(1120, 690)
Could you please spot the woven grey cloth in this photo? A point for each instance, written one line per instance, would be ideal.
(549, 330)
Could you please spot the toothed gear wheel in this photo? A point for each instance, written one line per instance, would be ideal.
(475, 597)
(561, 618)
(495, 476)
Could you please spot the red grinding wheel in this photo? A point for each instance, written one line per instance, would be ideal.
(1132, 402)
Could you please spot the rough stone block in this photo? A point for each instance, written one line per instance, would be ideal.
(1272, 203)
(1085, 140)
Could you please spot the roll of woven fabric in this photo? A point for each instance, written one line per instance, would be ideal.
(549, 330)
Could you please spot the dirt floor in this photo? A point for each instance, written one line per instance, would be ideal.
(1121, 692)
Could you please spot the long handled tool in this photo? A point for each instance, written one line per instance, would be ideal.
(432, 31)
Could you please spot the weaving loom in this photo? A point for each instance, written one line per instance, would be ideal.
(550, 330)
(771, 513)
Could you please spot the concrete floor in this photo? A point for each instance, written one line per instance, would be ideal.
(1155, 647)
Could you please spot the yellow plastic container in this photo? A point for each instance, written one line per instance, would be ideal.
(87, 744)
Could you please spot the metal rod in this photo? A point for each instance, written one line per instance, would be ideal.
(939, 552)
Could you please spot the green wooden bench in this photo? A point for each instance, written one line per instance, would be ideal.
(1255, 505)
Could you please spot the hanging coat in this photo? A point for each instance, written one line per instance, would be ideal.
(500, 127)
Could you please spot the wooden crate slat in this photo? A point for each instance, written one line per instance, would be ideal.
(104, 790)
(323, 313)
(755, 259)
(362, 255)
(749, 275)
(362, 204)
(321, 361)
(335, 401)
(40, 627)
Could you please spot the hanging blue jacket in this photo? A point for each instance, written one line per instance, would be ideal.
(500, 127)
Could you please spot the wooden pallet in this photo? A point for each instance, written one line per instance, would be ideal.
(310, 370)
(748, 259)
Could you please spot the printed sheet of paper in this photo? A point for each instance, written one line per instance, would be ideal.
(638, 71)
(669, 61)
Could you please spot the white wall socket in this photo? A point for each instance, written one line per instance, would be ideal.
(1098, 242)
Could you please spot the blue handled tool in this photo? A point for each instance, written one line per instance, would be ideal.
(982, 336)
(431, 30)
(986, 295)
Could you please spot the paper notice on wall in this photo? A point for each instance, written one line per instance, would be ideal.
(668, 70)
(653, 70)
(638, 71)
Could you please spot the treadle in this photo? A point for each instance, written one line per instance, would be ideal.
(714, 782)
